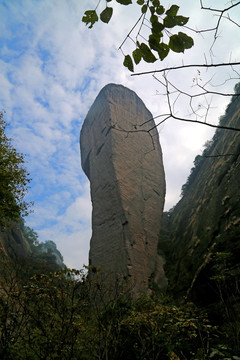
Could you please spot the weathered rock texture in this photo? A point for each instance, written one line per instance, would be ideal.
(14, 243)
(123, 161)
(206, 220)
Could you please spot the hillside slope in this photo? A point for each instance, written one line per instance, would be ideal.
(205, 224)
(19, 245)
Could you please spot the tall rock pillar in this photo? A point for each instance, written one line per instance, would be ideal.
(121, 156)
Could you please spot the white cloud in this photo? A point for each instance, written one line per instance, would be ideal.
(72, 229)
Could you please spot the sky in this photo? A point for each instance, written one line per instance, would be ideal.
(51, 69)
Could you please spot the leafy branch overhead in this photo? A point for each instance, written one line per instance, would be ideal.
(159, 22)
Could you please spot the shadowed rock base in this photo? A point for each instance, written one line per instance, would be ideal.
(123, 160)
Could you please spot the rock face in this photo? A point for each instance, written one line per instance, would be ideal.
(122, 159)
(14, 243)
(206, 221)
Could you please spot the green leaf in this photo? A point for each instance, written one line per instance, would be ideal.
(172, 11)
(140, 2)
(147, 55)
(180, 42)
(169, 21)
(106, 14)
(188, 41)
(163, 50)
(181, 20)
(144, 9)
(90, 18)
(154, 41)
(137, 56)
(156, 3)
(157, 28)
(154, 18)
(176, 44)
(109, 0)
(128, 63)
(152, 9)
(160, 10)
(124, 2)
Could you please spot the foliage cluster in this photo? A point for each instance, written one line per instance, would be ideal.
(67, 315)
(216, 288)
(160, 22)
(220, 281)
(225, 278)
(14, 180)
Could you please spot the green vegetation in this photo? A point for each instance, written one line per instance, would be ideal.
(43, 255)
(225, 272)
(216, 288)
(160, 22)
(66, 315)
(13, 181)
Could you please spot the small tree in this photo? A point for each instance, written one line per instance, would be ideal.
(13, 181)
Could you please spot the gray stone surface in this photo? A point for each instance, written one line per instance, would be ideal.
(14, 243)
(123, 161)
(207, 218)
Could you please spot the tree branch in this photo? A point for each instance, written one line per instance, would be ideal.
(219, 10)
(187, 66)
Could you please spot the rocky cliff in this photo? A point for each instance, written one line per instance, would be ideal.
(19, 245)
(121, 155)
(14, 243)
(205, 224)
